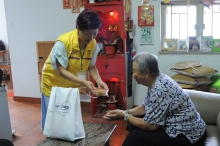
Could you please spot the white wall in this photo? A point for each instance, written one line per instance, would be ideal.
(32, 21)
(3, 30)
(45, 20)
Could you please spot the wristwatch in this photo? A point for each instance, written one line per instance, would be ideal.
(127, 111)
(126, 117)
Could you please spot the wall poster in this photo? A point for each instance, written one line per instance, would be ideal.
(66, 4)
(147, 35)
(146, 16)
(75, 6)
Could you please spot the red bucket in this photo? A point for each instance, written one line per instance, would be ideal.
(110, 49)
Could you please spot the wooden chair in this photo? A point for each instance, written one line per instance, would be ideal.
(2, 54)
(6, 65)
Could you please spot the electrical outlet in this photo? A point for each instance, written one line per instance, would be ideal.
(10, 24)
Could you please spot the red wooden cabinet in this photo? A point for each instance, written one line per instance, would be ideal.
(112, 68)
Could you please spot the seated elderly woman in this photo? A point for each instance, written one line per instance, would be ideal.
(167, 115)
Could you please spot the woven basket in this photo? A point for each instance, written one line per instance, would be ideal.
(185, 86)
(191, 80)
(187, 64)
(198, 71)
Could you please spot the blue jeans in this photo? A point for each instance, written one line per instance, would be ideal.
(44, 106)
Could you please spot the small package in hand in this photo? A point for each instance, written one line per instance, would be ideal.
(100, 92)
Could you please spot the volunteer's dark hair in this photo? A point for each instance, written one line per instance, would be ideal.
(88, 19)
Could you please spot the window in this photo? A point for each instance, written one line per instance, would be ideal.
(180, 21)
(211, 20)
(179, 24)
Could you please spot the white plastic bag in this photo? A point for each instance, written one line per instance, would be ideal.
(64, 117)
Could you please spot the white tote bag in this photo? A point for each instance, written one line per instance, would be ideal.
(64, 117)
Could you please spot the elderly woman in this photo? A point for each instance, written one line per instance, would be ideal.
(167, 116)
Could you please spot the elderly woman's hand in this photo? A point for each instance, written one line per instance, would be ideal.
(115, 114)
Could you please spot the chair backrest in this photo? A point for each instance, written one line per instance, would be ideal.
(207, 104)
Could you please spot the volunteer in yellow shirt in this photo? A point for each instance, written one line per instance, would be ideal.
(73, 54)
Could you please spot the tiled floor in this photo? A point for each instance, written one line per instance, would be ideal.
(25, 119)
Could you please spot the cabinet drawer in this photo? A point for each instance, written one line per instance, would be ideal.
(114, 65)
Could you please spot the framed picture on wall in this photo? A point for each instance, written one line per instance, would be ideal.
(66, 4)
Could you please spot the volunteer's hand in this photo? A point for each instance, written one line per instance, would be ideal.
(89, 85)
(101, 84)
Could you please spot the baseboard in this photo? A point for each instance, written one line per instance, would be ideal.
(38, 100)
(27, 99)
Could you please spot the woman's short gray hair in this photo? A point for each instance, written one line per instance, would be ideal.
(147, 62)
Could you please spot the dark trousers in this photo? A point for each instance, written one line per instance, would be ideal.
(5, 142)
(139, 137)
